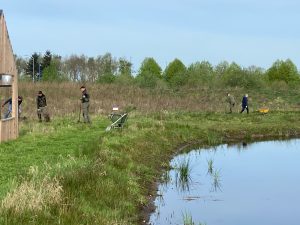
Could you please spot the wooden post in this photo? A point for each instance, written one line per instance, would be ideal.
(9, 128)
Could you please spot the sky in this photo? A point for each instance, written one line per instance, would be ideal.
(248, 32)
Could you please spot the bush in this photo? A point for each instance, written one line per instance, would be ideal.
(178, 80)
(147, 80)
(106, 78)
(124, 79)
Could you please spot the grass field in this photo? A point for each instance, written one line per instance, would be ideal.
(69, 173)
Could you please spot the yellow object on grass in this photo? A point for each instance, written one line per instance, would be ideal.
(264, 110)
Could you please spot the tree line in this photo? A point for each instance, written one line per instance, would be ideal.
(108, 69)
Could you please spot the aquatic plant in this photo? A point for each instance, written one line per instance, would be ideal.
(210, 164)
(183, 178)
(166, 178)
(216, 184)
(188, 220)
(184, 170)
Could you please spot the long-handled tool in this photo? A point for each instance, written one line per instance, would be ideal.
(114, 123)
(79, 116)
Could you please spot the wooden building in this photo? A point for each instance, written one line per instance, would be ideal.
(9, 128)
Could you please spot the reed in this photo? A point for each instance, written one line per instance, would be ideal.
(183, 175)
(188, 220)
(216, 183)
(210, 164)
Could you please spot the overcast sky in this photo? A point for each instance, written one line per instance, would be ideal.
(249, 32)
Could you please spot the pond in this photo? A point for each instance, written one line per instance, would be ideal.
(241, 184)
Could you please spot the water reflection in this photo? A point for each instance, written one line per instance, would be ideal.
(216, 183)
(210, 166)
(237, 184)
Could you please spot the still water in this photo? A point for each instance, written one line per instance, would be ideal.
(243, 185)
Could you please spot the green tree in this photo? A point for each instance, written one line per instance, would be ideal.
(221, 68)
(236, 76)
(108, 64)
(147, 80)
(200, 72)
(106, 78)
(175, 68)
(33, 67)
(125, 67)
(91, 69)
(107, 68)
(51, 72)
(150, 67)
(233, 75)
(283, 71)
(21, 64)
(46, 60)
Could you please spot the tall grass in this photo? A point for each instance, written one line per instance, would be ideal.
(63, 98)
(34, 194)
(216, 183)
(213, 138)
(183, 175)
(188, 220)
(210, 164)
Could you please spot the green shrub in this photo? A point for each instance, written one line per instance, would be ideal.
(147, 80)
(106, 78)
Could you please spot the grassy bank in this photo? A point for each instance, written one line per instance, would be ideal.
(69, 173)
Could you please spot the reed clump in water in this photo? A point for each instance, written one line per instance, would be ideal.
(210, 164)
(216, 183)
(188, 220)
(183, 174)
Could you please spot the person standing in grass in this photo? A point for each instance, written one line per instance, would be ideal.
(231, 101)
(85, 100)
(9, 102)
(41, 103)
(245, 104)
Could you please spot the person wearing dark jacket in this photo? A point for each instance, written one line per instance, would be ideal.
(9, 102)
(245, 104)
(85, 103)
(41, 104)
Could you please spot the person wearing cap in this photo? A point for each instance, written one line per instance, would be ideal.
(245, 104)
(85, 101)
(231, 101)
(41, 104)
(9, 102)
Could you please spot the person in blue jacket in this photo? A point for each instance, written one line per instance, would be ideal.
(9, 103)
(245, 104)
